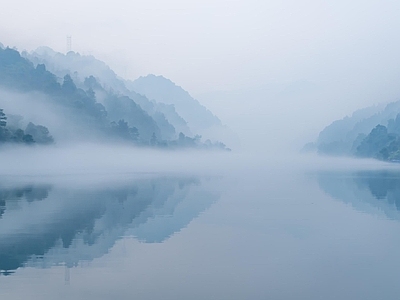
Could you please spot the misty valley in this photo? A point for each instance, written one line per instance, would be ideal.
(133, 189)
(199, 150)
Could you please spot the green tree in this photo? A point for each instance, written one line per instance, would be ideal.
(18, 136)
(28, 139)
(153, 140)
(134, 133)
(374, 142)
(39, 133)
(3, 118)
(3, 129)
(68, 84)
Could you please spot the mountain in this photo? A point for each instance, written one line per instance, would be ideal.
(80, 67)
(163, 90)
(42, 91)
(75, 108)
(346, 136)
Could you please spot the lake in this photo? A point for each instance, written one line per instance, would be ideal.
(255, 234)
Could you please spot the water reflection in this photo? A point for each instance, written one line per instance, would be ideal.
(42, 225)
(368, 191)
(29, 193)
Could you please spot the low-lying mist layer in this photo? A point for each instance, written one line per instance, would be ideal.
(96, 159)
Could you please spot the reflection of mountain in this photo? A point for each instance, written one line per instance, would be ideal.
(72, 224)
(367, 191)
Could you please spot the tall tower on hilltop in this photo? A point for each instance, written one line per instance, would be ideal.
(69, 43)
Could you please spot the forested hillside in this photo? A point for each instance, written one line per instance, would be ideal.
(372, 132)
(94, 109)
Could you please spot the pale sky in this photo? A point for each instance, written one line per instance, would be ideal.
(348, 49)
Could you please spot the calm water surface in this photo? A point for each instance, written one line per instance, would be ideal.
(249, 235)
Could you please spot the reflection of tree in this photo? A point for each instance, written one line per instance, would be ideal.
(29, 192)
(383, 185)
(91, 214)
(14, 253)
(379, 189)
(2, 207)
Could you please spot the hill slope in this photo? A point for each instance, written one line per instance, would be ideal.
(163, 90)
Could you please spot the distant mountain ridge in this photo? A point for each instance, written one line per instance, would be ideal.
(100, 103)
(163, 90)
(369, 132)
(83, 66)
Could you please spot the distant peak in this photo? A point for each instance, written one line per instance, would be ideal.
(44, 50)
(157, 79)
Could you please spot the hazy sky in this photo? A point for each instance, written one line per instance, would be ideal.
(340, 55)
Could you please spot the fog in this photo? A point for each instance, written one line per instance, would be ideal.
(103, 162)
(277, 71)
(40, 109)
(165, 155)
(81, 150)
